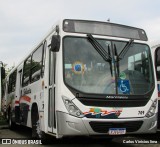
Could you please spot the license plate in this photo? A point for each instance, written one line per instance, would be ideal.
(117, 131)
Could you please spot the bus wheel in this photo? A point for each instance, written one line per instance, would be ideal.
(36, 130)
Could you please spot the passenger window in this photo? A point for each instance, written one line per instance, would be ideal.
(12, 82)
(26, 72)
(36, 64)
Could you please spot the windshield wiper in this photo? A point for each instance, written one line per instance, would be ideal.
(110, 62)
(99, 48)
(121, 54)
(125, 49)
(117, 63)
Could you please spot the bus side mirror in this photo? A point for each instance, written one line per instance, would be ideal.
(3, 73)
(55, 43)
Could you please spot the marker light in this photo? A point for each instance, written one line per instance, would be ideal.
(72, 109)
(152, 109)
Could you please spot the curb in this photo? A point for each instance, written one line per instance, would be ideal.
(4, 127)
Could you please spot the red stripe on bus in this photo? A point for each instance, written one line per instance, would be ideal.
(25, 98)
(16, 102)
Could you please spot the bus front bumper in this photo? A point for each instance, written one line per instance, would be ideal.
(71, 126)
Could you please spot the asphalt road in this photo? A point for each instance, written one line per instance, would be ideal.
(23, 133)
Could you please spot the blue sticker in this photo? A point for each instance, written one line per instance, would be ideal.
(123, 87)
(78, 67)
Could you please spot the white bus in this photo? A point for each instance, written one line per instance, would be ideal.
(85, 78)
(155, 47)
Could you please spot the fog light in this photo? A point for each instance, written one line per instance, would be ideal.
(71, 124)
(153, 123)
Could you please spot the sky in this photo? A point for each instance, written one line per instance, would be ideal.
(23, 23)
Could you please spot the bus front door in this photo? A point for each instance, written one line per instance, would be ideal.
(51, 101)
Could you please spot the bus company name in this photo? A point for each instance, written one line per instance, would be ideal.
(26, 91)
(116, 97)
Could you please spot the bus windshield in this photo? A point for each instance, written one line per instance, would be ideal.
(85, 70)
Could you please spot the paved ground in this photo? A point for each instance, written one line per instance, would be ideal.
(23, 133)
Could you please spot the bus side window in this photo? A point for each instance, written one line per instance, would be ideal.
(12, 82)
(157, 63)
(36, 64)
(26, 72)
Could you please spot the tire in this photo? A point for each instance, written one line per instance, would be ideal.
(37, 133)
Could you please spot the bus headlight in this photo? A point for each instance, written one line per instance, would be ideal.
(71, 107)
(152, 109)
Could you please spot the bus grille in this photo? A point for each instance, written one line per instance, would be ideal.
(103, 127)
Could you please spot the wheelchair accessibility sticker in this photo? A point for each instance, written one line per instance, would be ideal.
(123, 87)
